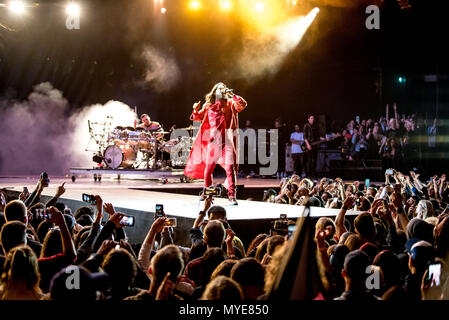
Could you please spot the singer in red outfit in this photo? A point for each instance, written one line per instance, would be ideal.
(216, 142)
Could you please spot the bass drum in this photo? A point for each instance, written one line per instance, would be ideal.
(115, 157)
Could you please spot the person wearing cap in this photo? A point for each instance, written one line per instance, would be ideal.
(213, 213)
(85, 286)
(421, 254)
(354, 274)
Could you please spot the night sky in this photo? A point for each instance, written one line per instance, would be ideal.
(334, 70)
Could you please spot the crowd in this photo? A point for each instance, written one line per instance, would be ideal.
(393, 246)
(390, 138)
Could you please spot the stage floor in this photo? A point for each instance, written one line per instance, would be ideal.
(139, 195)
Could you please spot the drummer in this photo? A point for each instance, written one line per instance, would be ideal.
(148, 125)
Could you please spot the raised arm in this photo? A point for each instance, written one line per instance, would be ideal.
(442, 183)
(340, 219)
(145, 250)
(396, 116)
(59, 192)
(197, 113)
(386, 113)
(238, 103)
(68, 248)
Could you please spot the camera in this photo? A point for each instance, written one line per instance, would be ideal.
(281, 224)
(159, 211)
(89, 198)
(212, 191)
(128, 221)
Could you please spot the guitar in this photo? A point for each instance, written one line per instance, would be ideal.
(315, 143)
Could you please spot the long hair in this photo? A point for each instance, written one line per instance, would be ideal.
(20, 271)
(210, 97)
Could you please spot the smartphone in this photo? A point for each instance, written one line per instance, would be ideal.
(159, 211)
(41, 214)
(25, 190)
(128, 221)
(389, 171)
(283, 216)
(89, 198)
(170, 222)
(291, 229)
(367, 182)
(357, 119)
(434, 274)
(46, 180)
(3, 199)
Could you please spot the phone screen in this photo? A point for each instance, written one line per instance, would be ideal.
(171, 222)
(127, 221)
(159, 211)
(367, 182)
(434, 274)
(291, 229)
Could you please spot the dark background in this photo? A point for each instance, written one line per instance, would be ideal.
(338, 69)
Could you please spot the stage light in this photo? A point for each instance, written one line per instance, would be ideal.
(195, 5)
(226, 5)
(73, 9)
(260, 6)
(17, 7)
(163, 10)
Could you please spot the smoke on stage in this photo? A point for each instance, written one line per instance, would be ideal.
(43, 133)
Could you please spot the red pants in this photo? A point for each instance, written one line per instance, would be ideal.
(214, 154)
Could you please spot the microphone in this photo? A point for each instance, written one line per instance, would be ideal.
(230, 92)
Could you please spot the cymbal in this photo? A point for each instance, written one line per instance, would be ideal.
(140, 129)
(130, 128)
(188, 128)
(119, 128)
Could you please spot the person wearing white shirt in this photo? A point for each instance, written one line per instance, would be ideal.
(297, 139)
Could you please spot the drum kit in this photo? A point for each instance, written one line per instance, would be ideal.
(136, 148)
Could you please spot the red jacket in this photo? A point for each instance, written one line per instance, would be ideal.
(214, 122)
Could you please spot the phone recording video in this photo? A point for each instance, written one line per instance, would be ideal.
(89, 198)
(128, 221)
(45, 179)
(159, 211)
(434, 274)
(41, 214)
(170, 222)
(291, 229)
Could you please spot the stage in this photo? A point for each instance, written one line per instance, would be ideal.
(139, 198)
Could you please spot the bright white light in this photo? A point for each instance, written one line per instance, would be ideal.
(163, 10)
(226, 5)
(260, 6)
(73, 9)
(195, 5)
(17, 7)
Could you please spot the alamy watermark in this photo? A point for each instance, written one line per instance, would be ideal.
(216, 146)
(72, 21)
(372, 22)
